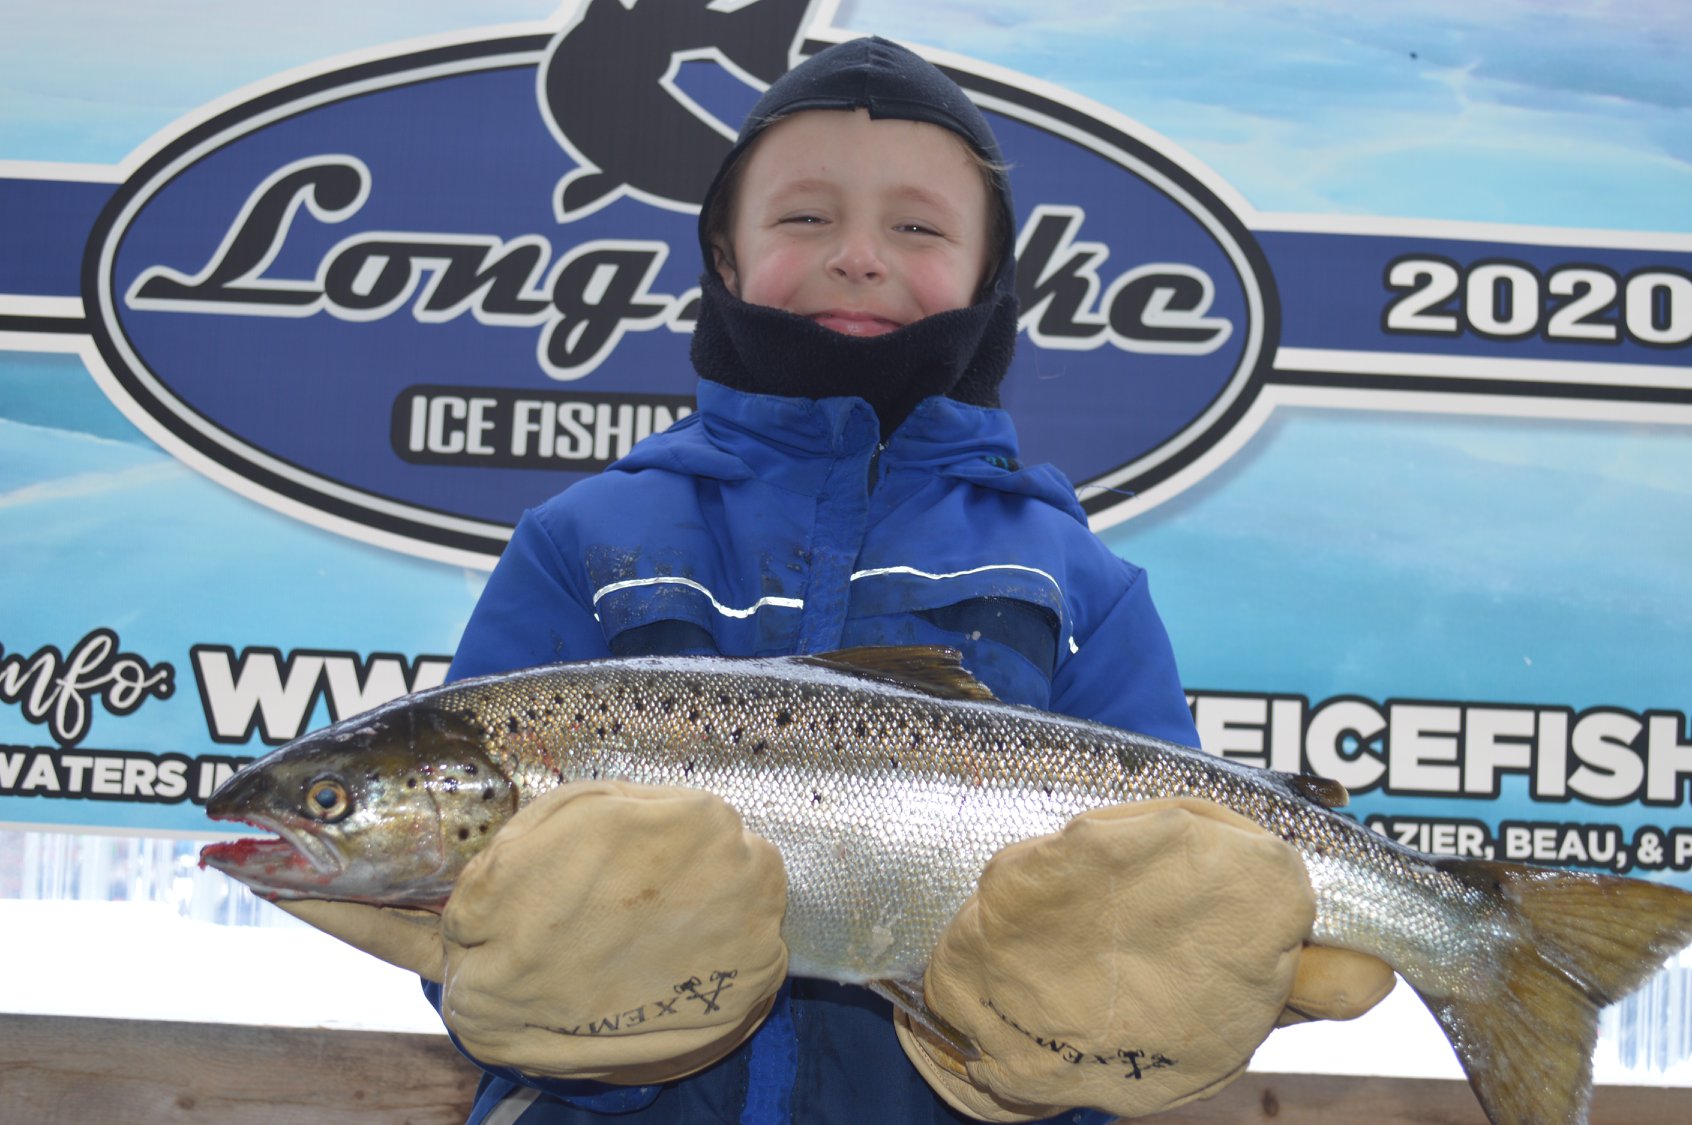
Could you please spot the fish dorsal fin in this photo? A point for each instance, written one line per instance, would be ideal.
(1323, 791)
(931, 669)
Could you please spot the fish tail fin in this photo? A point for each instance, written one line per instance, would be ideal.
(1582, 941)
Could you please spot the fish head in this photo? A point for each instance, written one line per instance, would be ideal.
(384, 808)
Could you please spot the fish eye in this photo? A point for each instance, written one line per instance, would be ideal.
(326, 799)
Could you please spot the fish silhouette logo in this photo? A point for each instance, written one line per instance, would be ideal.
(608, 86)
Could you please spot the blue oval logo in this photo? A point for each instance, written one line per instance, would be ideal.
(409, 298)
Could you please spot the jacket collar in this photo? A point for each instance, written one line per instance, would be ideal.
(737, 435)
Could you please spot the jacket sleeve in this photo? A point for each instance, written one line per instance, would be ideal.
(1123, 672)
(534, 610)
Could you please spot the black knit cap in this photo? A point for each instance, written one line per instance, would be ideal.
(889, 81)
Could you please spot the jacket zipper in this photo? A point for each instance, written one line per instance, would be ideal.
(874, 466)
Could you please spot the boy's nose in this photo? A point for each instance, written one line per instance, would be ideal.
(856, 257)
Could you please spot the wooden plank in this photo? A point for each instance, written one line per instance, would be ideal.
(64, 1070)
(1325, 1099)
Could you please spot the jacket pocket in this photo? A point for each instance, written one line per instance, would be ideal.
(1006, 620)
(676, 616)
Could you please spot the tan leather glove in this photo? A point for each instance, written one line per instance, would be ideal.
(1132, 962)
(619, 932)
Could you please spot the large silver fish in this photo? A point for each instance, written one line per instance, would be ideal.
(887, 778)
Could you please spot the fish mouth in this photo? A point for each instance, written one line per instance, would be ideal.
(291, 852)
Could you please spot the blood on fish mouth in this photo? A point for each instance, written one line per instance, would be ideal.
(248, 853)
(288, 849)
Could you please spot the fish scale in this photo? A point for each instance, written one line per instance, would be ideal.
(887, 778)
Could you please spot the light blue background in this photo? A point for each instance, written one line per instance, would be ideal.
(1384, 555)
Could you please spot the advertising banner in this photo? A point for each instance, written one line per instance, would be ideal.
(1368, 334)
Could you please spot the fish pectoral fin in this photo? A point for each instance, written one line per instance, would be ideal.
(929, 1025)
(930, 669)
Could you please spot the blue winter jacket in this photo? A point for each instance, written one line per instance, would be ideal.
(765, 525)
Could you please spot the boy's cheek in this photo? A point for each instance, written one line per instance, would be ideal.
(940, 290)
(772, 283)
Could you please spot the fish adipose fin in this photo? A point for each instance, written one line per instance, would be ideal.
(931, 669)
(908, 998)
(1327, 793)
(1526, 1031)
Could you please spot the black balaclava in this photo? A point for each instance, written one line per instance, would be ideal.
(963, 353)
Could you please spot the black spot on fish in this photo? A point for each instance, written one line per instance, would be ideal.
(783, 717)
(483, 829)
(892, 761)
(512, 724)
(463, 833)
(761, 747)
(487, 792)
(580, 716)
(604, 707)
(687, 767)
(693, 715)
(816, 797)
(411, 783)
(617, 727)
(734, 735)
(861, 729)
(599, 732)
(451, 784)
(640, 705)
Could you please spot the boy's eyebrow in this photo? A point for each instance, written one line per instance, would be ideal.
(919, 194)
(916, 193)
(800, 187)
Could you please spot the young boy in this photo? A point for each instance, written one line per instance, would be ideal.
(847, 480)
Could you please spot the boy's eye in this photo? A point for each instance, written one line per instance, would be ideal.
(915, 228)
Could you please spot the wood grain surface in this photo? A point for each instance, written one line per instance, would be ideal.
(63, 1070)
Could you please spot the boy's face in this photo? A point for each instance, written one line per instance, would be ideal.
(862, 225)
